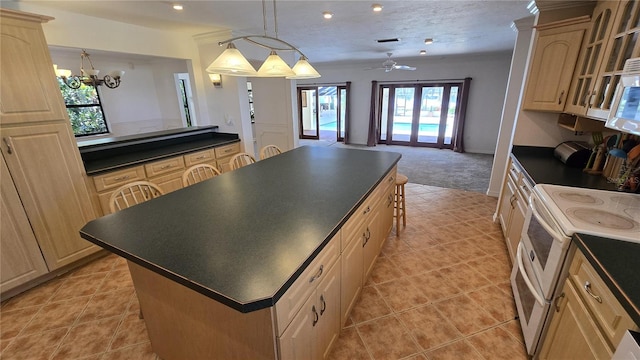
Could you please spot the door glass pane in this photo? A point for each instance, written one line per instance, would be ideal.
(384, 114)
(451, 114)
(402, 114)
(328, 98)
(343, 112)
(308, 113)
(430, 110)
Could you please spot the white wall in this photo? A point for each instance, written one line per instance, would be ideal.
(489, 73)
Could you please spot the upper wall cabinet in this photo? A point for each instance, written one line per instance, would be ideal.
(611, 40)
(28, 92)
(554, 59)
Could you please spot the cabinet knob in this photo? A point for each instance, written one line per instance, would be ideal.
(560, 97)
(556, 302)
(7, 142)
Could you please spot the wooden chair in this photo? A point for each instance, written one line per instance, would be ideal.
(241, 159)
(133, 193)
(198, 173)
(269, 151)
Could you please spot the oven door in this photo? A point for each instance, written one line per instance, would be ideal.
(532, 307)
(545, 245)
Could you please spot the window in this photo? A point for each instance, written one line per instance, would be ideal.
(85, 110)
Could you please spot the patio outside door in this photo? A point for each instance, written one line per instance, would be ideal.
(418, 114)
(322, 111)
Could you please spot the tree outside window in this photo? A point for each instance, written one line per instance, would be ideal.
(84, 109)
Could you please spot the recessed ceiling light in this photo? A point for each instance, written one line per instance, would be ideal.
(423, 52)
(428, 41)
(177, 7)
(327, 15)
(376, 7)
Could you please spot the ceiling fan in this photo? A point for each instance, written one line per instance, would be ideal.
(390, 64)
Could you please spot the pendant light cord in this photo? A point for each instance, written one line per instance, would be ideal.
(275, 18)
(264, 17)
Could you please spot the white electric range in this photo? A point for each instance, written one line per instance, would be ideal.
(609, 214)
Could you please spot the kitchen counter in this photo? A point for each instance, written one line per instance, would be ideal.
(541, 167)
(243, 237)
(113, 153)
(617, 263)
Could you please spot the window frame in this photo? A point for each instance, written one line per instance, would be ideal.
(97, 105)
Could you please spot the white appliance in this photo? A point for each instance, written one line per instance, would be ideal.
(625, 109)
(629, 347)
(555, 213)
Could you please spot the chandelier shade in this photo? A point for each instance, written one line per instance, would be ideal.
(274, 66)
(231, 62)
(88, 76)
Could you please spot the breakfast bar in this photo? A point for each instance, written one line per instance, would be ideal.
(211, 261)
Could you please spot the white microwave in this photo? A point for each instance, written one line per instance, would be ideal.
(625, 110)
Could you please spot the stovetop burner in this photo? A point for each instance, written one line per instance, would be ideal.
(603, 218)
(626, 200)
(580, 198)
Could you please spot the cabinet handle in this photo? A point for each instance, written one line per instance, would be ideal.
(120, 178)
(390, 198)
(391, 179)
(163, 167)
(513, 198)
(200, 157)
(366, 236)
(317, 275)
(587, 288)
(560, 98)
(556, 302)
(586, 96)
(366, 211)
(7, 142)
(315, 315)
(324, 305)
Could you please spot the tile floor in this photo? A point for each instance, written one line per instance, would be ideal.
(439, 291)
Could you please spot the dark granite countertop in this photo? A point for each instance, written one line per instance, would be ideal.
(542, 167)
(618, 263)
(243, 237)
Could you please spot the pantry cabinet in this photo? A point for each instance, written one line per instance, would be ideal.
(588, 321)
(513, 201)
(38, 146)
(557, 47)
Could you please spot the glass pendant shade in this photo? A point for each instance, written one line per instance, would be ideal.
(304, 70)
(231, 62)
(274, 66)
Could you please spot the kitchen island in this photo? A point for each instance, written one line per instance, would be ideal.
(211, 261)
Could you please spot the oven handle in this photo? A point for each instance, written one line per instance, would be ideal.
(525, 276)
(558, 235)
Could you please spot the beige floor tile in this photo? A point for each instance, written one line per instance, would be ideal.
(369, 306)
(402, 294)
(86, 339)
(35, 346)
(56, 315)
(116, 279)
(513, 328)
(82, 285)
(395, 245)
(440, 256)
(34, 297)
(491, 268)
(411, 263)
(498, 344)
(13, 321)
(467, 316)
(139, 352)
(132, 331)
(105, 305)
(465, 277)
(393, 342)
(435, 285)
(349, 346)
(500, 305)
(384, 270)
(103, 264)
(458, 350)
(428, 327)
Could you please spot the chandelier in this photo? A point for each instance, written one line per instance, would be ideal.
(88, 76)
(232, 62)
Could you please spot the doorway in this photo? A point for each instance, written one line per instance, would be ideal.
(322, 112)
(185, 99)
(419, 114)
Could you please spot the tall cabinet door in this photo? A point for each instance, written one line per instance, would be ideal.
(20, 258)
(28, 90)
(583, 82)
(52, 188)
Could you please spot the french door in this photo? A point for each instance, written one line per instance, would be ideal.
(322, 111)
(418, 114)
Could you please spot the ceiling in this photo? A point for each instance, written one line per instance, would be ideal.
(457, 26)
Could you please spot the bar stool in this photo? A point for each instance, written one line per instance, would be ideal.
(399, 205)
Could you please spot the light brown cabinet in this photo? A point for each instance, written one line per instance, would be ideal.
(588, 321)
(42, 159)
(556, 51)
(612, 40)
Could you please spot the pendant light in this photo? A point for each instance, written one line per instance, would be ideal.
(232, 62)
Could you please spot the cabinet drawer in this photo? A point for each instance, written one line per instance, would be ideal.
(227, 150)
(609, 314)
(289, 304)
(199, 157)
(164, 166)
(118, 178)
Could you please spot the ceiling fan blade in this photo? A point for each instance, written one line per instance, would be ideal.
(404, 67)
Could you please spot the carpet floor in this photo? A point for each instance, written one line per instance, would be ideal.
(434, 167)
